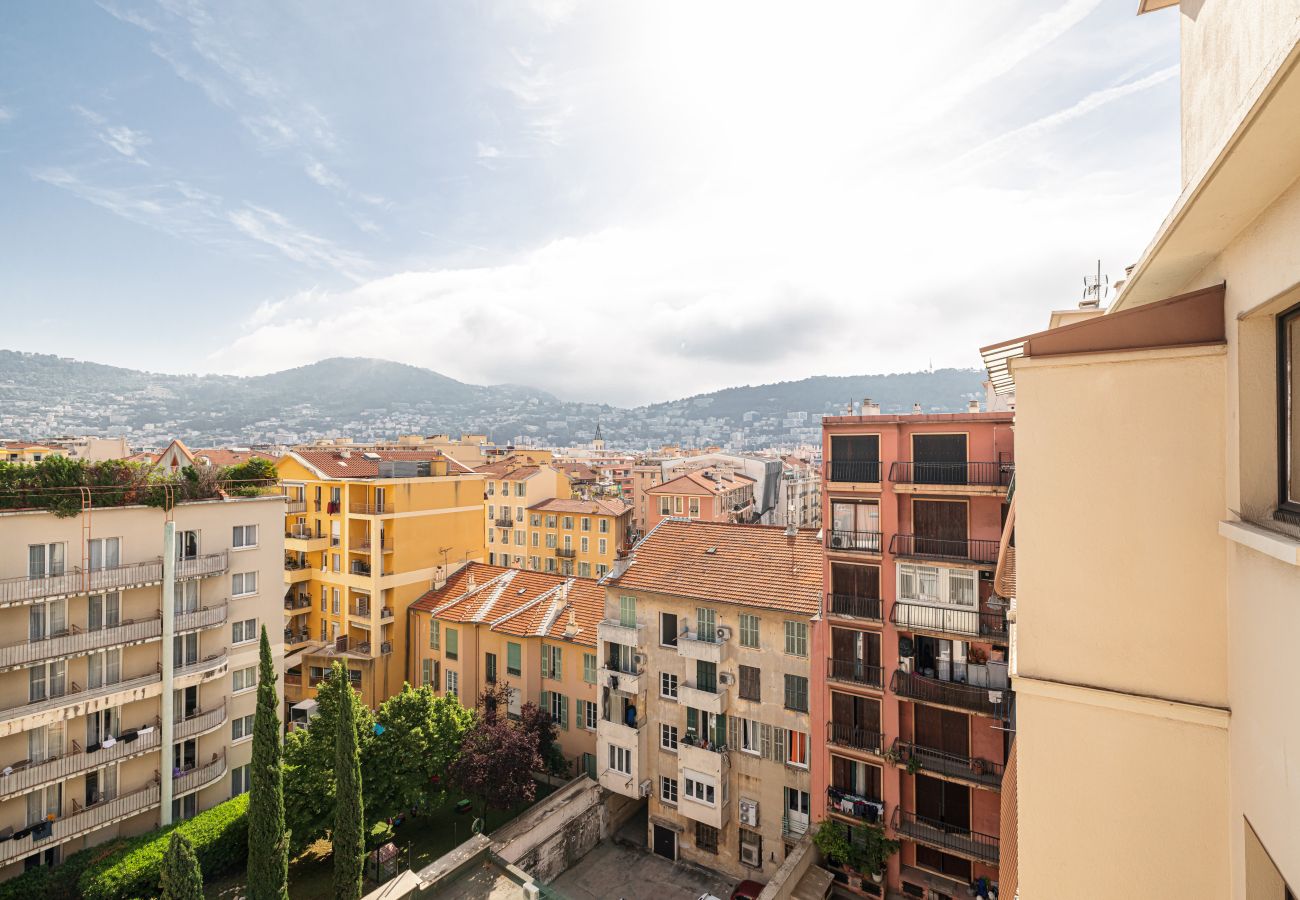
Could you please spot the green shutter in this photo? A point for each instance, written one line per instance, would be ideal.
(720, 730)
(692, 720)
(513, 658)
(546, 661)
(433, 630)
(557, 673)
(589, 668)
(546, 702)
(733, 740)
(564, 712)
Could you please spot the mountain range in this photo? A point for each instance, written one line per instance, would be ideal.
(43, 395)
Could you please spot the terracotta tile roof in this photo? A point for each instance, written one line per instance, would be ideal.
(696, 482)
(357, 465)
(23, 445)
(221, 456)
(576, 470)
(749, 565)
(502, 471)
(583, 507)
(519, 602)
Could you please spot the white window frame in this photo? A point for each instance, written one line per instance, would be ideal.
(700, 788)
(668, 737)
(620, 759)
(248, 675)
(246, 627)
(243, 579)
(239, 538)
(668, 684)
(668, 790)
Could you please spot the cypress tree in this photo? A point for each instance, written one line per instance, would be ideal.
(182, 879)
(268, 842)
(349, 816)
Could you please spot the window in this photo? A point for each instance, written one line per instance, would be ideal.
(335, 601)
(243, 583)
(105, 553)
(241, 727)
(750, 688)
(668, 685)
(706, 621)
(244, 536)
(521, 538)
(453, 682)
(426, 673)
(104, 668)
(187, 544)
(584, 544)
(603, 527)
(324, 598)
(550, 542)
(1288, 426)
(796, 748)
(336, 563)
(550, 521)
(434, 627)
(627, 611)
(962, 588)
(514, 666)
(45, 560)
(602, 547)
(706, 836)
(748, 630)
(492, 490)
(105, 612)
(668, 737)
(559, 709)
(243, 679)
(584, 570)
(589, 668)
(550, 563)
(242, 632)
(586, 523)
(239, 780)
(700, 789)
(568, 523)
(453, 644)
(551, 659)
(706, 676)
(796, 638)
(751, 736)
(490, 667)
(668, 629)
(620, 759)
(694, 509)
(668, 789)
(601, 570)
(587, 714)
(354, 678)
(665, 506)
(796, 693)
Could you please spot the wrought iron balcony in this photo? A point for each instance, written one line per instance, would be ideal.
(864, 541)
(855, 607)
(947, 837)
(565, 552)
(949, 620)
(968, 550)
(854, 737)
(504, 522)
(989, 474)
(853, 471)
(980, 700)
(77, 642)
(982, 772)
(81, 822)
(855, 671)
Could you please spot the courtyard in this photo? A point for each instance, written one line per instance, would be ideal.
(615, 871)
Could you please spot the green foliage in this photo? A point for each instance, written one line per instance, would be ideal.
(832, 839)
(133, 867)
(309, 763)
(496, 764)
(422, 735)
(254, 475)
(182, 879)
(876, 850)
(349, 810)
(268, 845)
(869, 855)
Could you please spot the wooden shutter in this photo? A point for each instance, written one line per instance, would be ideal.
(778, 744)
(855, 581)
(841, 773)
(750, 680)
(943, 520)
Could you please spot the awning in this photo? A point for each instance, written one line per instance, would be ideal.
(305, 706)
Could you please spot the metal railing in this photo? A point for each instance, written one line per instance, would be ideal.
(82, 822)
(963, 768)
(293, 565)
(847, 470)
(370, 508)
(207, 617)
(303, 533)
(855, 671)
(215, 661)
(946, 836)
(791, 828)
(75, 580)
(26, 776)
(842, 539)
(995, 474)
(856, 607)
(970, 549)
(295, 506)
(359, 609)
(854, 736)
(78, 695)
(504, 522)
(199, 777)
(849, 803)
(302, 601)
(200, 566)
(565, 552)
(948, 693)
(78, 642)
(385, 612)
(200, 722)
(949, 620)
(367, 545)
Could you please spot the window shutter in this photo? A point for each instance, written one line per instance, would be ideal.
(564, 713)
(692, 720)
(546, 662)
(720, 729)
(778, 744)
(546, 702)
(734, 732)
(765, 740)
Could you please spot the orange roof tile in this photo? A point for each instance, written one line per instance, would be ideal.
(502, 471)
(696, 482)
(749, 565)
(583, 507)
(221, 456)
(331, 464)
(576, 470)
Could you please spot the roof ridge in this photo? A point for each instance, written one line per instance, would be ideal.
(503, 581)
(548, 620)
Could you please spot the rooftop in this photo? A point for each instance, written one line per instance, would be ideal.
(583, 507)
(342, 464)
(707, 481)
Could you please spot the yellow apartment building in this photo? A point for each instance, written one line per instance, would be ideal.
(23, 452)
(366, 534)
(704, 690)
(128, 677)
(1157, 517)
(514, 483)
(571, 537)
(531, 631)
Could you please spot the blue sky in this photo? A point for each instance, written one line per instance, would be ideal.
(611, 200)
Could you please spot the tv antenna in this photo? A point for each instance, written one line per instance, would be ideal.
(1095, 289)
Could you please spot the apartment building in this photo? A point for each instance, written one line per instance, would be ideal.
(910, 682)
(710, 494)
(705, 654)
(1155, 717)
(577, 537)
(25, 452)
(128, 702)
(366, 534)
(799, 495)
(513, 484)
(534, 632)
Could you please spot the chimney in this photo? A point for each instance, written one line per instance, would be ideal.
(473, 582)
(345, 454)
(916, 409)
(869, 408)
(572, 628)
(973, 406)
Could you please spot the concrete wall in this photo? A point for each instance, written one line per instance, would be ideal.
(558, 832)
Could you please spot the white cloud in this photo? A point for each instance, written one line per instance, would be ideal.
(6, 115)
(125, 141)
(271, 228)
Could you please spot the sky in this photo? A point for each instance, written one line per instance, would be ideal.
(612, 201)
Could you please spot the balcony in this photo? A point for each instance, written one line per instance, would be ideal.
(296, 572)
(201, 671)
(855, 806)
(293, 505)
(367, 545)
(618, 680)
(979, 772)
(565, 553)
(503, 522)
(297, 606)
(200, 566)
(200, 722)
(185, 782)
(972, 550)
(946, 837)
(860, 541)
(27, 776)
(15, 591)
(295, 639)
(952, 477)
(77, 702)
(302, 539)
(855, 671)
(709, 701)
(850, 607)
(614, 632)
(852, 471)
(619, 732)
(76, 643)
(946, 620)
(982, 700)
(691, 645)
(82, 822)
(854, 737)
(207, 617)
(709, 764)
(370, 508)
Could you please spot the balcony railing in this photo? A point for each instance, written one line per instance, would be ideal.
(302, 601)
(841, 539)
(847, 803)
(854, 736)
(294, 565)
(565, 552)
(27, 776)
(963, 768)
(200, 722)
(79, 642)
(861, 471)
(369, 508)
(295, 506)
(359, 609)
(367, 545)
(215, 661)
(970, 549)
(947, 693)
(194, 779)
(855, 671)
(504, 522)
(303, 533)
(207, 617)
(947, 837)
(201, 566)
(293, 638)
(949, 620)
(78, 696)
(794, 828)
(82, 822)
(855, 607)
(75, 580)
(994, 474)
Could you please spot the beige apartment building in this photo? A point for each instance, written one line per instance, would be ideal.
(704, 687)
(1156, 517)
(121, 708)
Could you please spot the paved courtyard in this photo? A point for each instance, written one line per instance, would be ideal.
(613, 871)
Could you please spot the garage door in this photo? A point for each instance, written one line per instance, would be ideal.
(665, 842)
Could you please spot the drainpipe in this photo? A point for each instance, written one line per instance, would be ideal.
(168, 727)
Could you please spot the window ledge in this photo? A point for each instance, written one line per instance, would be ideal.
(1279, 546)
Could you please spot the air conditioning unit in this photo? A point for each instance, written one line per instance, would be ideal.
(639, 659)
(750, 855)
(645, 788)
(837, 540)
(724, 633)
(749, 812)
(726, 678)
(905, 664)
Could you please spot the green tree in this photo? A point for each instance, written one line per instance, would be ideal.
(349, 810)
(268, 844)
(422, 733)
(309, 761)
(182, 879)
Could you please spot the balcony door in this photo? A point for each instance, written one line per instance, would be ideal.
(185, 703)
(855, 721)
(941, 659)
(796, 810)
(943, 802)
(855, 581)
(940, 527)
(855, 457)
(105, 611)
(942, 730)
(45, 560)
(45, 620)
(939, 458)
(855, 777)
(187, 544)
(101, 724)
(105, 553)
(857, 654)
(855, 526)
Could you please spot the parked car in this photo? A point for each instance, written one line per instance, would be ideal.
(747, 890)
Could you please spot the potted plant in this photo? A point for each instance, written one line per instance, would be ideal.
(832, 839)
(874, 853)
